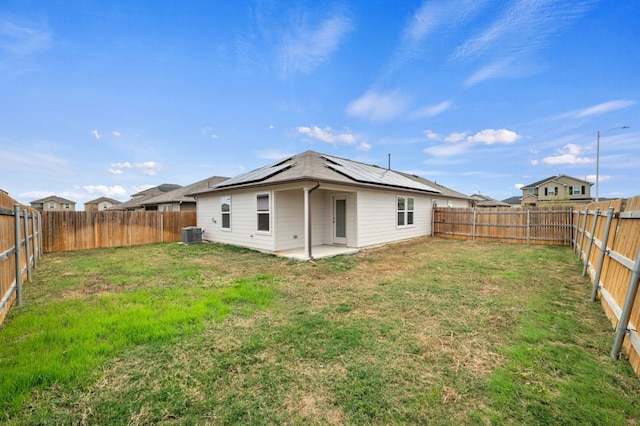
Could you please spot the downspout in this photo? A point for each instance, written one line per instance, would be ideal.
(309, 224)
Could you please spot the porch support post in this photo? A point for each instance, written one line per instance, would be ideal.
(308, 244)
(307, 223)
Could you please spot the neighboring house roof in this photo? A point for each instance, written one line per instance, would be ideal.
(53, 198)
(103, 199)
(140, 197)
(313, 166)
(179, 195)
(513, 201)
(485, 201)
(552, 178)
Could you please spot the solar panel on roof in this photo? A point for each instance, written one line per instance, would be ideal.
(258, 174)
(371, 174)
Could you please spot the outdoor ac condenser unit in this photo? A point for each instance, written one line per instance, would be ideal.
(191, 235)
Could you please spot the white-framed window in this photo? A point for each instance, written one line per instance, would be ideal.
(52, 206)
(405, 210)
(531, 191)
(225, 211)
(577, 190)
(553, 190)
(263, 211)
(66, 205)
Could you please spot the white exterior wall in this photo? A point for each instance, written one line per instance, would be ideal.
(377, 217)
(244, 220)
(289, 219)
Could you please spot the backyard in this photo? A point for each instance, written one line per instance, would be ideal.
(428, 331)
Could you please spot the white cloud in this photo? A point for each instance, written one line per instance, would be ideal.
(148, 168)
(363, 146)
(601, 108)
(569, 154)
(448, 150)
(22, 38)
(601, 178)
(107, 191)
(116, 133)
(95, 134)
(214, 136)
(303, 49)
(378, 107)
(273, 155)
(432, 111)
(455, 137)
(510, 44)
(431, 135)
(535, 162)
(491, 136)
(518, 186)
(326, 135)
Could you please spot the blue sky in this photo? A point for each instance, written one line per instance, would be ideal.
(107, 98)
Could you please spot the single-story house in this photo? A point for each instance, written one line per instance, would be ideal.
(177, 200)
(480, 200)
(311, 203)
(102, 203)
(137, 199)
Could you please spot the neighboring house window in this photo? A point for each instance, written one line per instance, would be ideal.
(551, 191)
(225, 211)
(405, 211)
(167, 208)
(531, 191)
(264, 212)
(577, 190)
(52, 206)
(105, 206)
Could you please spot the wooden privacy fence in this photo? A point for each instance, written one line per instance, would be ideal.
(607, 239)
(66, 231)
(540, 225)
(20, 248)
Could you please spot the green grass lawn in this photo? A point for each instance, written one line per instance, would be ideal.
(430, 331)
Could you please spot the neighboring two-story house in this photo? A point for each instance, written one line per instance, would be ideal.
(99, 204)
(557, 189)
(54, 203)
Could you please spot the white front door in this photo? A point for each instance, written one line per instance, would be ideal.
(340, 220)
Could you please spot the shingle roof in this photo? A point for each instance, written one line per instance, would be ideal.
(101, 199)
(540, 182)
(179, 195)
(53, 198)
(313, 166)
(142, 196)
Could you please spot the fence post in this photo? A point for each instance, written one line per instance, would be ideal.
(33, 241)
(528, 226)
(596, 215)
(16, 212)
(582, 232)
(603, 252)
(623, 323)
(574, 234)
(27, 250)
(40, 239)
(473, 225)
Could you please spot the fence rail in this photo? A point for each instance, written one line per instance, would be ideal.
(20, 249)
(67, 231)
(542, 225)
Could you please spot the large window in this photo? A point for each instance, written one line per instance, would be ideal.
(225, 212)
(264, 212)
(405, 211)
